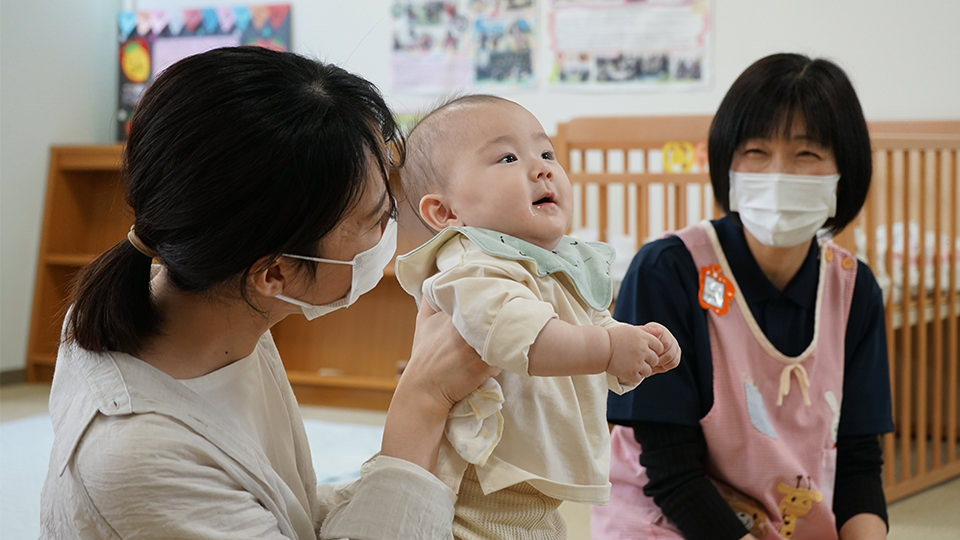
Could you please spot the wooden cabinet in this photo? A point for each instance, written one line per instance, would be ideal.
(349, 358)
(84, 214)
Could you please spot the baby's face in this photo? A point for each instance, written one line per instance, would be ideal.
(503, 174)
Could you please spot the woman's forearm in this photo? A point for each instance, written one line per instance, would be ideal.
(414, 428)
(675, 457)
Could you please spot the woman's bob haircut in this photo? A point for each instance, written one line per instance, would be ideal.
(783, 88)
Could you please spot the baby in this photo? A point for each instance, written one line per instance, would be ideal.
(530, 300)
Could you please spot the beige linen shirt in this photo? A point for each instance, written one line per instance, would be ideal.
(138, 454)
(555, 434)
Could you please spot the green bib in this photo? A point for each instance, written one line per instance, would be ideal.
(585, 264)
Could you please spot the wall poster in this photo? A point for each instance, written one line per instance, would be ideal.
(150, 41)
(439, 46)
(617, 45)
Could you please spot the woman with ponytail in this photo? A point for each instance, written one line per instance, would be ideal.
(258, 183)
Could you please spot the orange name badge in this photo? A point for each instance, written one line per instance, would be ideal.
(716, 290)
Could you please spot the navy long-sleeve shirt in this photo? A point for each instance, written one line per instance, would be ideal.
(662, 285)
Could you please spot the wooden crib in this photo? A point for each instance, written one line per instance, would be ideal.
(636, 177)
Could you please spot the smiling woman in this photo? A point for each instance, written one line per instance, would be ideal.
(784, 353)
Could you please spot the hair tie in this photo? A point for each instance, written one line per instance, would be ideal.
(139, 245)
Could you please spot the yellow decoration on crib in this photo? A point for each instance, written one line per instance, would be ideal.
(678, 156)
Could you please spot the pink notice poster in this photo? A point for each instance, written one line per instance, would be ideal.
(150, 41)
(619, 45)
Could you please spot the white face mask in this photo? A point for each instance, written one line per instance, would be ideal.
(783, 210)
(367, 270)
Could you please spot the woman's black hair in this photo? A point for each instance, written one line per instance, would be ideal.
(768, 96)
(233, 155)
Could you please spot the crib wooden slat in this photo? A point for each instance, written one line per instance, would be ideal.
(680, 208)
(937, 379)
(921, 346)
(906, 394)
(953, 355)
(580, 194)
(667, 206)
(625, 208)
(890, 452)
(665, 217)
(602, 203)
(561, 147)
(870, 219)
(642, 217)
(704, 203)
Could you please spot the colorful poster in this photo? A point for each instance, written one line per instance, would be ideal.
(442, 46)
(150, 41)
(629, 44)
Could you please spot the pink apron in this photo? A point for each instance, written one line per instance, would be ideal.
(772, 430)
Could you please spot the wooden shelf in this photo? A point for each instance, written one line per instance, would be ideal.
(43, 359)
(67, 259)
(349, 358)
(40, 366)
(89, 158)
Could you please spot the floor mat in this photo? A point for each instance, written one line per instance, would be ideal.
(338, 452)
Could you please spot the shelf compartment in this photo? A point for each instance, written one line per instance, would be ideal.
(87, 212)
(52, 297)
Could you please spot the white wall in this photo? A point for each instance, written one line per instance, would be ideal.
(58, 84)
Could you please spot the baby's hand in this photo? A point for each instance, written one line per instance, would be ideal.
(634, 352)
(670, 357)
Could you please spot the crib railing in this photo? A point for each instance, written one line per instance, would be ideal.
(908, 234)
(636, 177)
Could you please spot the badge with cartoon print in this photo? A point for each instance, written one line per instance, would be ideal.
(716, 290)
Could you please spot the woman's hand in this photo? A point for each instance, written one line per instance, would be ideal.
(441, 362)
(442, 370)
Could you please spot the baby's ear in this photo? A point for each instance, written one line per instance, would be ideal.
(436, 213)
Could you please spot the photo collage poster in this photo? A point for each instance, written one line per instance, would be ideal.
(653, 45)
(150, 41)
(438, 46)
(442, 46)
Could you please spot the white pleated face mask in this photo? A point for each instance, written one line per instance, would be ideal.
(367, 271)
(783, 210)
